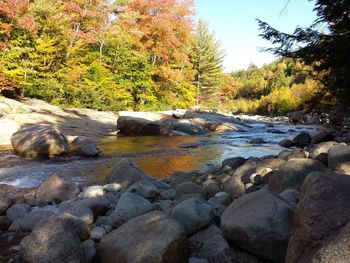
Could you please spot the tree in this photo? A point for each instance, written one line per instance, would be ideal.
(326, 50)
(207, 58)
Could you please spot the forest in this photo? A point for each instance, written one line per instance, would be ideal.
(143, 55)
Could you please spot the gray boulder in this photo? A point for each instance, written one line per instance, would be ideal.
(17, 211)
(29, 220)
(189, 188)
(86, 147)
(320, 148)
(303, 139)
(198, 239)
(293, 174)
(145, 188)
(40, 141)
(89, 250)
(234, 186)
(4, 204)
(98, 205)
(286, 143)
(260, 223)
(129, 125)
(51, 241)
(130, 205)
(57, 189)
(234, 162)
(338, 154)
(151, 238)
(193, 214)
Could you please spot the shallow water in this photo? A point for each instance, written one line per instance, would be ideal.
(159, 156)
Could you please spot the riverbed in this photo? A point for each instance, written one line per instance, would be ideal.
(159, 156)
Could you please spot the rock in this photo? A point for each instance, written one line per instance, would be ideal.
(275, 131)
(193, 214)
(89, 250)
(98, 205)
(303, 139)
(179, 178)
(80, 227)
(113, 188)
(211, 187)
(222, 127)
(4, 204)
(257, 141)
(322, 213)
(313, 120)
(129, 125)
(196, 259)
(286, 155)
(343, 168)
(85, 147)
(7, 128)
(126, 173)
(220, 198)
(336, 250)
(145, 188)
(164, 205)
(189, 188)
(260, 223)
(187, 128)
(17, 211)
(320, 148)
(234, 186)
(4, 223)
(93, 191)
(40, 141)
(57, 189)
(167, 194)
(130, 205)
(322, 136)
(290, 196)
(216, 250)
(297, 116)
(29, 220)
(198, 239)
(151, 238)
(51, 241)
(286, 143)
(112, 198)
(80, 212)
(293, 173)
(97, 233)
(234, 162)
(245, 257)
(338, 154)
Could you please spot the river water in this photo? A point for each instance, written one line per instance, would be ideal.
(159, 156)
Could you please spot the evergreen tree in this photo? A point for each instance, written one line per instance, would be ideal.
(324, 45)
(207, 58)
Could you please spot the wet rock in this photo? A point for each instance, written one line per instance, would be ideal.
(125, 173)
(151, 238)
(293, 174)
(29, 220)
(322, 136)
(257, 141)
(322, 213)
(260, 223)
(17, 211)
(89, 250)
(302, 139)
(286, 143)
(57, 189)
(338, 154)
(234, 162)
(275, 131)
(147, 189)
(4, 204)
(130, 205)
(93, 191)
(40, 141)
(193, 214)
(52, 241)
(189, 188)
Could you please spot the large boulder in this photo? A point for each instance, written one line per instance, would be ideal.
(293, 174)
(260, 223)
(297, 116)
(57, 189)
(233, 162)
(29, 220)
(83, 146)
(129, 125)
(189, 188)
(320, 148)
(234, 186)
(338, 154)
(125, 173)
(51, 241)
(323, 211)
(151, 238)
(193, 214)
(302, 139)
(40, 141)
(130, 205)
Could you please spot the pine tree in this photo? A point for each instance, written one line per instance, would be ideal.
(207, 58)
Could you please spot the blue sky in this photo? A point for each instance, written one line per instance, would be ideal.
(233, 22)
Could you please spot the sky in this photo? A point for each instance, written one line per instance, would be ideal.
(233, 23)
